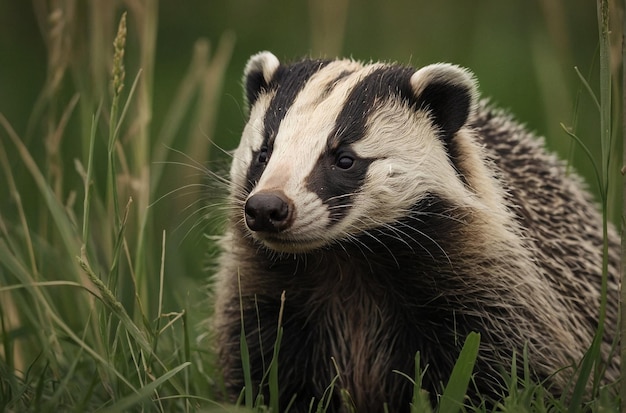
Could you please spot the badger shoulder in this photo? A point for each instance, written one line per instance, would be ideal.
(552, 203)
(559, 219)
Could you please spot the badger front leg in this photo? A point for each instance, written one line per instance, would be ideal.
(300, 381)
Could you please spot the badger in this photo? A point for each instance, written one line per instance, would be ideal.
(377, 211)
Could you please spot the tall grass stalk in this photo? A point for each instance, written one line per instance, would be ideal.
(141, 149)
(606, 144)
(592, 359)
(119, 74)
(622, 328)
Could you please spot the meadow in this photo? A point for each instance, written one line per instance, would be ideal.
(115, 118)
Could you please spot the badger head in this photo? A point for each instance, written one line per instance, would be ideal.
(334, 150)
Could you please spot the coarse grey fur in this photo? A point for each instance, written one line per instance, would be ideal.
(396, 213)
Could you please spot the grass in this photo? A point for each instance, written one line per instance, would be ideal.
(87, 319)
(84, 324)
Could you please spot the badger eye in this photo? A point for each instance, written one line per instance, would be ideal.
(262, 155)
(345, 162)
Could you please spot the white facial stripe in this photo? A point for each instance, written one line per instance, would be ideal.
(251, 138)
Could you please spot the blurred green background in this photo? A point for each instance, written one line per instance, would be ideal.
(84, 321)
(523, 52)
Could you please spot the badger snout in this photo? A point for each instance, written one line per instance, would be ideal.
(269, 211)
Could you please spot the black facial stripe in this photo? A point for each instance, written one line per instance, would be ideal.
(255, 170)
(287, 82)
(336, 188)
(366, 97)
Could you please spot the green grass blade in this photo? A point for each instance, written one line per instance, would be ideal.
(327, 397)
(420, 402)
(89, 175)
(15, 194)
(594, 165)
(454, 393)
(65, 384)
(593, 96)
(606, 145)
(63, 224)
(584, 372)
(157, 328)
(144, 392)
(16, 267)
(245, 358)
(273, 373)
(109, 299)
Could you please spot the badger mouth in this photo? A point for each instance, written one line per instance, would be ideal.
(284, 243)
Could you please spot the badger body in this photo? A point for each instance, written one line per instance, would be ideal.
(377, 211)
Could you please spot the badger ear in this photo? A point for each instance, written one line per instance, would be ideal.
(257, 76)
(449, 92)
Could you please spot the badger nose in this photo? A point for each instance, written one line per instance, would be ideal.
(269, 211)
